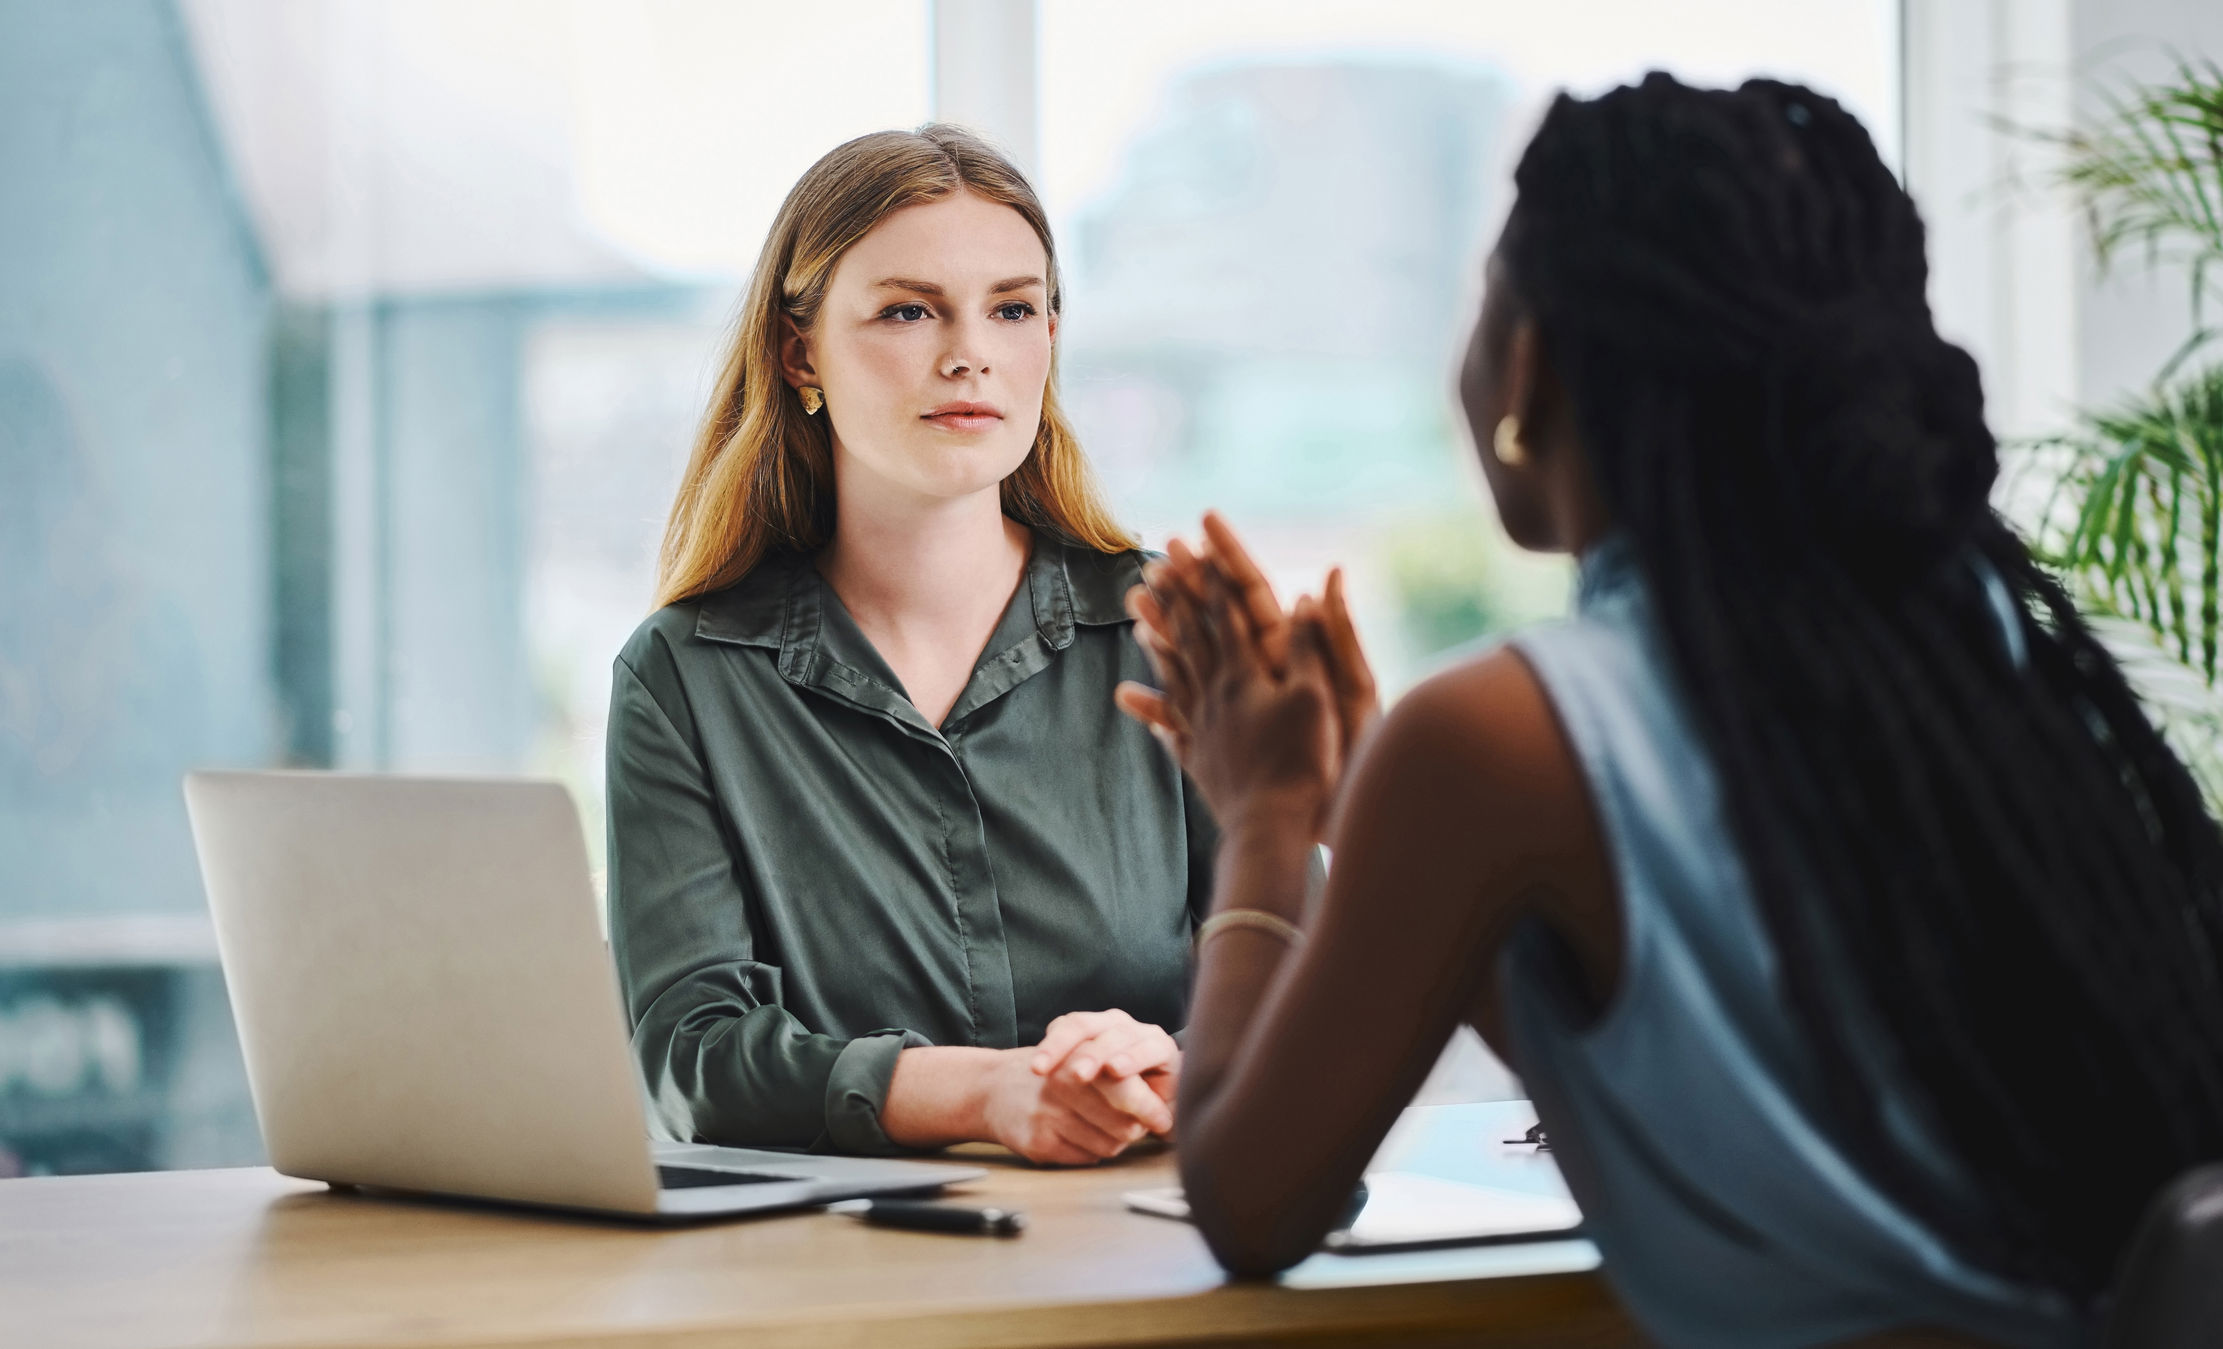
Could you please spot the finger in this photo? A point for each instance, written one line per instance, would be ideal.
(1184, 562)
(1133, 1045)
(1309, 658)
(1055, 1151)
(1178, 589)
(1148, 1052)
(1153, 646)
(1153, 634)
(1145, 704)
(1343, 638)
(1187, 573)
(1091, 1138)
(1049, 1148)
(1133, 1098)
(1142, 606)
(1117, 1125)
(1310, 624)
(1138, 1049)
(1165, 1083)
(1158, 714)
(1060, 1037)
(1231, 621)
(1356, 696)
(1250, 581)
(1084, 1060)
(1064, 1033)
(1156, 652)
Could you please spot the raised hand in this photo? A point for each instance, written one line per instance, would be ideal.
(1253, 734)
(1213, 615)
(1358, 703)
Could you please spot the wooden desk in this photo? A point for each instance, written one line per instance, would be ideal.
(250, 1258)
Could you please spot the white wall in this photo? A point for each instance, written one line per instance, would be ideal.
(2131, 322)
(2002, 250)
(2012, 275)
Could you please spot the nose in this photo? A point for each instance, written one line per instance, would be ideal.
(966, 353)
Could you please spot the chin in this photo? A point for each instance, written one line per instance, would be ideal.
(961, 470)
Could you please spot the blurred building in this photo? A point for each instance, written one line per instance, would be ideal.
(136, 586)
(1267, 306)
(1276, 269)
(265, 499)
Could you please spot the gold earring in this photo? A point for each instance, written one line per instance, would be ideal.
(812, 398)
(1506, 442)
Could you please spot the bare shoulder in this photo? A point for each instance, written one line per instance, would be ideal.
(1489, 718)
(1473, 769)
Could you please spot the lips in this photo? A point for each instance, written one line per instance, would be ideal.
(964, 416)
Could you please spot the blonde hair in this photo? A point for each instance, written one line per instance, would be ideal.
(761, 478)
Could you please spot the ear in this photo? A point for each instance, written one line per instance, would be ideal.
(795, 362)
(1538, 397)
(1525, 376)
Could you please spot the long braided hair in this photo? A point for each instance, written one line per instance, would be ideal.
(1980, 845)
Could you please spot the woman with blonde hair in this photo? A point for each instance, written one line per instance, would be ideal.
(875, 825)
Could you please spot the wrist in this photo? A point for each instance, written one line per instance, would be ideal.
(1265, 863)
(1273, 824)
(939, 1095)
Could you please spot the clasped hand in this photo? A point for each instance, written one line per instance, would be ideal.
(1097, 1084)
(1263, 709)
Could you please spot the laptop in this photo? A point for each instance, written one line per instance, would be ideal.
(425, 1004)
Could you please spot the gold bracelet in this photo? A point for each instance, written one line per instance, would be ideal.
(1271, 923)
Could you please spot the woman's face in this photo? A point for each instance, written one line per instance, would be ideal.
(933, 347)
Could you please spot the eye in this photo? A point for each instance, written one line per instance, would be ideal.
(904, 313)
(1018, 311)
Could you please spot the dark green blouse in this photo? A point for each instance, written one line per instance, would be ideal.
(806, 877)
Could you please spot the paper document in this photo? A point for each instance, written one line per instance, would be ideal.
(1448, 1175)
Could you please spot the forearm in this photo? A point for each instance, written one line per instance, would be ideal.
(1249, 1203)
(1264, 865)
(720, 1071)
(939, 1095)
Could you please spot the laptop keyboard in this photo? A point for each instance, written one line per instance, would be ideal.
(692, 1177)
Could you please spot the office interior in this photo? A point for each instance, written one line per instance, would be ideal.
(349, 352)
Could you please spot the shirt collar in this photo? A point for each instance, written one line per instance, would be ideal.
(1607, 569)
(780, 603)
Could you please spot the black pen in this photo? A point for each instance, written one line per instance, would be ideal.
(924, 1215)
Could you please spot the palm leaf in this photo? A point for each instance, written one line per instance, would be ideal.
(2149, 172)
(2145, 530)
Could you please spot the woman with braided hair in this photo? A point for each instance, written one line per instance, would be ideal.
(1853, 929)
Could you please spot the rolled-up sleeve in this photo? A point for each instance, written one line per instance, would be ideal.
(723, 1061)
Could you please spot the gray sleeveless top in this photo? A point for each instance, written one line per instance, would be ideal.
(1688, 1113)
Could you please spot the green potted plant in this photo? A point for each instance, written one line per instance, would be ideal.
(2135, 517)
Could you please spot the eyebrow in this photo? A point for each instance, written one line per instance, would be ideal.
(1003, 287)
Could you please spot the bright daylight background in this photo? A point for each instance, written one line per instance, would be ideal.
(349, 351)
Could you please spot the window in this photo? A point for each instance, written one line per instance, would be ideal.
(351, 349)
(1274, 217)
